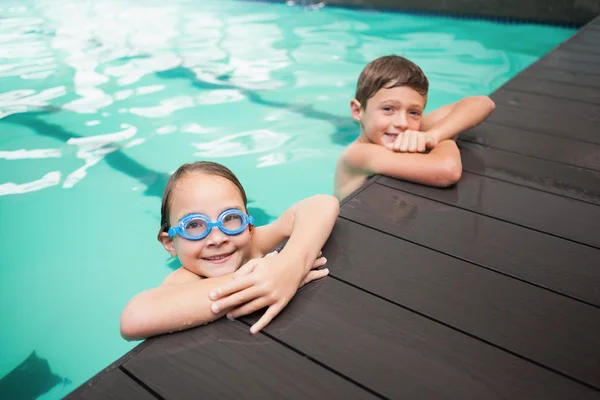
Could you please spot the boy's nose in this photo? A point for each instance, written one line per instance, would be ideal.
(401, 122)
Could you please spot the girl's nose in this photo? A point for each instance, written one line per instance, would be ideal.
(216, 237)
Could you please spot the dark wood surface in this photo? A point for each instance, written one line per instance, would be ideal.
(487, 289)
(113, 385)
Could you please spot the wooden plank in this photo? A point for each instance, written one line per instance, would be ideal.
(111, 385)
(556, 264)
(566, 218)
(555, 75)
(223, 360)
(403, 355)
(550, 329)
(561, 90)
(581, 48)
(586, 36)
(564, 53)
(564, 109)
(559, 125)
(571, 152)
(539, 174)
(569, 65)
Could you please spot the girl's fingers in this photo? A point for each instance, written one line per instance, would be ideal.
(235, 299)
(314, 275)
(319, 262)
(267, 317)
(248, 308)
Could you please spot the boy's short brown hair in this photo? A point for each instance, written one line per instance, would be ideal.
(389, 72)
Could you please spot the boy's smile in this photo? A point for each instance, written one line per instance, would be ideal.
(388, 113)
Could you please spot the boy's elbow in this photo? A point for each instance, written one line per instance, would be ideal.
(488, 104)
(449, 174)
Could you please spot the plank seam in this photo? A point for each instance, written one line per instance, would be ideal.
(488, 216)
(467, 333)
(475, 263)
(311, 358)
(141, 383)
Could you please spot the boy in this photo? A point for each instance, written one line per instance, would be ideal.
(390, 98)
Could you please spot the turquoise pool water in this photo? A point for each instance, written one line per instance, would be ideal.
(101, 100)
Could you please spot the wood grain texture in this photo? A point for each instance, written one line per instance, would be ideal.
(223, 360)
(551, 177)
(545, 212)
(537, 145)
(559, 125)
(403, 355)
(542, 326)
(562, 266)
(558, 108)
(578, 93)
(111, 385)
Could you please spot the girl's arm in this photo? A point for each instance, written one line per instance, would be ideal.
(180, 302)
(274, 280)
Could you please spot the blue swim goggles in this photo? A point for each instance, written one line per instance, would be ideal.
(197, 226)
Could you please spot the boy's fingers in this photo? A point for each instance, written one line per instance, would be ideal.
(267, 317)
(248, 308)
(235, 300)
(422, 141)
(404, 142)
(273, 253)
(412, 144)
(233, 286)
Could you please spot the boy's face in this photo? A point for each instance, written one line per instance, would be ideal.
(389, 113)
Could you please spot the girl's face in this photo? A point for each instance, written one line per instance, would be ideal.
(217, 254)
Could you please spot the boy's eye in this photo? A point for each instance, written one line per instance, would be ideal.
(388, 109)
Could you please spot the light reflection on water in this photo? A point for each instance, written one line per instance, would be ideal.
(100, 100)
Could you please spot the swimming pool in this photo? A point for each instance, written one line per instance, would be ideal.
(101, 100)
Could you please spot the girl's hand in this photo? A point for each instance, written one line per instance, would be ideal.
(270, 282)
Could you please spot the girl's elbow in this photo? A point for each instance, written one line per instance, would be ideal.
(132, 324)
(329, 202)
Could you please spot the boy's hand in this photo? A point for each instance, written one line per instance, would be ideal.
(414, 142)
(267, 282)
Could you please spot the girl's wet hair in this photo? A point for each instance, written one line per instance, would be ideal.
(205, 167)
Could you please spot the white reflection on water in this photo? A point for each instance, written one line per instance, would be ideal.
(48, 180)
(92, 64)
(24, 154)
(256, 141)
(93, 149)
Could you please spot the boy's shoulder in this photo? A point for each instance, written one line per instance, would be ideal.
(357, 156)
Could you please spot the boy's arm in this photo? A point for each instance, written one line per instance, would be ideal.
(448, 121)
(275, 280)
(181, 302)
(441, 167)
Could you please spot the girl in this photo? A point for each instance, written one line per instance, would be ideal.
(205, 223)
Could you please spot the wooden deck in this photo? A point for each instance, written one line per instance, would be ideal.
(487, 290)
